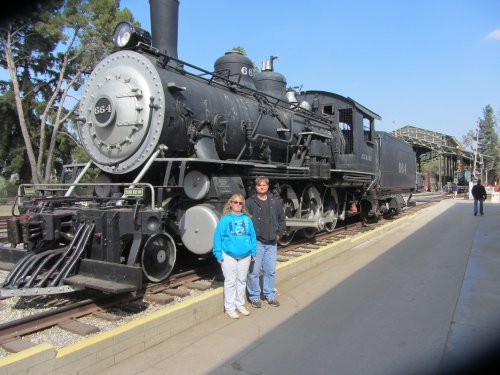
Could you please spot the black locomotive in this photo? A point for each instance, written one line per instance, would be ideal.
(173, 142)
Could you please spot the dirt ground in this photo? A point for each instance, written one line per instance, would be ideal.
(5, 210)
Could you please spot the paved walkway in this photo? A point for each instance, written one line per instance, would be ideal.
(420, 299)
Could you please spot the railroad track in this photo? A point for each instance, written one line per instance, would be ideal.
(99, 305)
(178, 286)
(3, 226)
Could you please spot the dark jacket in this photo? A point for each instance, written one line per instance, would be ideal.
(278, 220)
(478, 192)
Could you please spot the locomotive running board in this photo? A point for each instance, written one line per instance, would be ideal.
(86, 282)
(107, 277)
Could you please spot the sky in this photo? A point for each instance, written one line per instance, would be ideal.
(430, 64)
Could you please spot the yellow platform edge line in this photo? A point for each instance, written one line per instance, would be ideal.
(22, 355)
(345, 240)
(137, 322)
(385, 226)
(312, 253)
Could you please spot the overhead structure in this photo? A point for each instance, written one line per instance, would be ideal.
(426, 143)
(430, 145)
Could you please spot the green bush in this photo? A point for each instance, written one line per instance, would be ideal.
(8, 190)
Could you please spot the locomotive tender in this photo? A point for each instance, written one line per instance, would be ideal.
(172, 143)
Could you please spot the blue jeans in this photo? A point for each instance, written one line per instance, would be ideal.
(266, 258)
(480, 206)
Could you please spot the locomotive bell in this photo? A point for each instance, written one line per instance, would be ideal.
(290, 95)
(236, 67)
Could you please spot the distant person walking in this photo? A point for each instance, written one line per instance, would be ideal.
(268, 219)
(234, 248)
(479, 194)
(454, 189)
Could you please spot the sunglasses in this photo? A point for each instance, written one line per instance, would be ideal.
(237, 202)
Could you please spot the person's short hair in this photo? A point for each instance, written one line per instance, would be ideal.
(479, 182)
(261, 179)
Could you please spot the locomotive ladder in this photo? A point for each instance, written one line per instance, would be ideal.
(44, 272)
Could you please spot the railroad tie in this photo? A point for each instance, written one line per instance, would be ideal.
(78, 328)
(159, 299)
(199, 285)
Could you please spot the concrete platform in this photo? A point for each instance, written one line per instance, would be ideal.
(415, 297)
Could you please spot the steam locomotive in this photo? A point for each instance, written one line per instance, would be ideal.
(172, 143)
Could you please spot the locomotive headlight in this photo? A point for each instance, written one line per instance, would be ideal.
(127, 35)
(122, 34)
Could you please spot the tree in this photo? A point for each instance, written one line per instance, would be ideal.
(469, 140)
(19, 45)
(47, 56)
(431, 166)
(244, 53)
(497, 170)
(488, 141)
(12, 150)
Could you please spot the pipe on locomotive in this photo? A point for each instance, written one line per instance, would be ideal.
(164, 25)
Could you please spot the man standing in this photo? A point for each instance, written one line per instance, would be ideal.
(268, 219)
(479, 193)
(454, 189)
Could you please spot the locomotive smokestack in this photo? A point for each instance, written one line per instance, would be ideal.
(164, 25)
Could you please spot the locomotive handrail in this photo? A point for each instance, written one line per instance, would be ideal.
(60, 187)
(146, 167)
(227, 82)
(216, 161)
(78, 178)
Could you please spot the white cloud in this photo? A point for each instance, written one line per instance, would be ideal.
(495, 34)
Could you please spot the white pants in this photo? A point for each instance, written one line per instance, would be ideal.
(235, 280)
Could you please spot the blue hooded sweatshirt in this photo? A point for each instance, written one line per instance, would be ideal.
(235, 236)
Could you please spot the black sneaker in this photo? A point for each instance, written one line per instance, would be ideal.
(255, 303)
(273, 302)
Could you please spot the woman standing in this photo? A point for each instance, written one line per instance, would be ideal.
(234, 247)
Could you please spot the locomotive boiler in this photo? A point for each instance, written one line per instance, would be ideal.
(172, 143)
